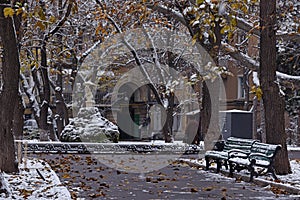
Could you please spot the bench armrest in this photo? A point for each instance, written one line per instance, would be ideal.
(238, 153)
(219, 145)
(255, 155)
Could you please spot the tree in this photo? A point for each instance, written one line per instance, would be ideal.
(232, 11)
(273, 102)
(9, 92)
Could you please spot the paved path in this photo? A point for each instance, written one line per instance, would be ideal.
(294, 154)
(87, 178)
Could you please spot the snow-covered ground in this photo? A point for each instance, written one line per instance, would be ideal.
(36, 180)
(285, 181)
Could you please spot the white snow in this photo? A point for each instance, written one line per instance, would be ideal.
(235, 111)
(291, 180)
(187, 10)
(57, 89)
(287, 77)
(36, 180)
(29, 182)
(256, 79)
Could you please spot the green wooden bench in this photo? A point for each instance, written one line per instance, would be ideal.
(260, 161)
(222, 149)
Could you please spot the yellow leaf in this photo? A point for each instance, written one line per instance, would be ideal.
(199, 2)
(19, 11)
(233, 22)
(8, 12)
(40, 25)
(225, 29)
(235, 6)
(253, 89)
(194, 40)
(24, 15)
(66, 176)
(52, 19)
(259, 93)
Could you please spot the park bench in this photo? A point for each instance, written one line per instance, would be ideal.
(219, 154)
(260, 161)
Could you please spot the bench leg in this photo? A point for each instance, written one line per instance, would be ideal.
(231, 169)
(252, 173)
(273, 173)
(219, 165)
(252, 170)
(206, 163)
(226, 164)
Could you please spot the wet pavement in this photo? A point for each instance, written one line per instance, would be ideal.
(87, 178)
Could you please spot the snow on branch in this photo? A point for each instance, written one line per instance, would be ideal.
(155, 56)
(88, 51)
(244, 59)
(241, 23)
(252, 64)
(61, 22)
(251, 28)
(32, 99)
(137, 59)
(287, 77)
(168, 11)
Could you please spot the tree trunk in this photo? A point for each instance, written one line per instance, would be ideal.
(45, 97)
(205, 113)
(18, 120)
(9, 93)
(60, 105)
(273, 102)
(209, 116)
(168, 126)
(210, 95)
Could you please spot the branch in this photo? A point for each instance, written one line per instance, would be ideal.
(137, 60)
(61, 22)
(241, 23)
(155, 56)
(170, 12)
(32, 99)
(245, 60)
(255, 30)
(285, 79)
(288, 80)
(87, 52)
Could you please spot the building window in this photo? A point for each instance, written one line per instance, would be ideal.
(241, 89)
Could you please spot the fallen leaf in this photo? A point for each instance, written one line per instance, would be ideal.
(66, 176)
(148, 179)
(208, 189)
(104, 185)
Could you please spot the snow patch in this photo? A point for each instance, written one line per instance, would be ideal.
(36, 180)
(256, 79)
(90, 126)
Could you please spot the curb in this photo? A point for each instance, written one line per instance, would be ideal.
(258, 181)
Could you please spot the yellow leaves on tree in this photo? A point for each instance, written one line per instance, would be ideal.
(8, 12)
(257, 91)
(40, 25)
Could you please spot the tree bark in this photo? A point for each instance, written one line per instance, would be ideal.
(9, 93)
(211, 92)
(18, 120)
(273, 102)
(45, 97)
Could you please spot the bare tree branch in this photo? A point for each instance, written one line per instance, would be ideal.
(61, 22)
